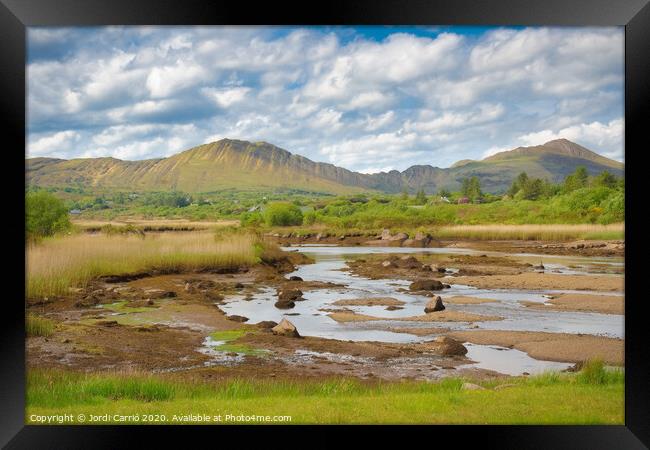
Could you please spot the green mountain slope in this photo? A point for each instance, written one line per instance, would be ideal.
(245, 165)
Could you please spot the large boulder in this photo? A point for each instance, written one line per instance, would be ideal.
(434, 305)
(289, 294)
(284, 304)
(285, 328)
(426, 285)
(450, 347)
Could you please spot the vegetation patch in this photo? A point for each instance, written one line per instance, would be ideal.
(226, 344)
(550, 398)
(38, 326)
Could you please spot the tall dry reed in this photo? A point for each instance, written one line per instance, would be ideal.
(55, 265)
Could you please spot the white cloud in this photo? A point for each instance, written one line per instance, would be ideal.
(226, 97)
(163, 81)
(53, 144)
(332, 94)
(606, 138)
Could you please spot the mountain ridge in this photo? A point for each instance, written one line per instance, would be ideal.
(233, 163)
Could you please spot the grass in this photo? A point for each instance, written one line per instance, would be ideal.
(557, 232)
(38, 326)
(557, 398)
(151, 224)
(55, 265)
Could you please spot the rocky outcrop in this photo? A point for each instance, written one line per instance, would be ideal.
(287, 295)
(285, 328)
(434, 305)
(426, 285)
(449, 347)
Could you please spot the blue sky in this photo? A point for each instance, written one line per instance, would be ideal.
(365, 98)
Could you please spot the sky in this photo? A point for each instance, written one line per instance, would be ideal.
(368, 99)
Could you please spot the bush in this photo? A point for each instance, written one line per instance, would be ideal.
(45, 215)
(282, 214)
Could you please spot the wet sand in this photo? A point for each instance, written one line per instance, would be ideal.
(465, 300)
(535, 280)
(604, 304)
(441, 316)
(370, 301)
(562, 347)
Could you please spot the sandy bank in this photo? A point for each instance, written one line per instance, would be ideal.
(370, 301)
(562, 347)
(543, 281)
(605, 304)
(441, 316)
(465, 300)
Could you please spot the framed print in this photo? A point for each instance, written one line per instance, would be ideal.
(362, 214)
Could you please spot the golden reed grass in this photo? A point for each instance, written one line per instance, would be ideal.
(533, 232)
(55, 265)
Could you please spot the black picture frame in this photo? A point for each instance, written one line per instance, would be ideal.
(16, 15)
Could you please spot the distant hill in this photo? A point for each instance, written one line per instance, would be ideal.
(246, 165)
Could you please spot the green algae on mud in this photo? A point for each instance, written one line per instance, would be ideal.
(225, 338)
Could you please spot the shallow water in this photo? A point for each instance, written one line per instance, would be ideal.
(330, 266)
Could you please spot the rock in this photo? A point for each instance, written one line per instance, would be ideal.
(408, 262)
(284, 304)
(472, 387)
(399, 237)
(446, 286)
(236, 318)
(289, 294)
(266, 324)
(393, 308)
(438, 269)
(434, 305)
(388, 264)
(385, 234)
(425, 268)
(426, 285)
(149, 302)
(214, 296)
(285, 328)
(295, 278)
(239, 286)
(450, 347)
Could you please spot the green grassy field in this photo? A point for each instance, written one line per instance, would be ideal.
(593, 396)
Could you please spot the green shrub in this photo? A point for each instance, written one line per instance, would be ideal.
(45, 215)
(282, 214)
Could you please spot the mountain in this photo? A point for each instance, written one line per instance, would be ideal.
(239, 164)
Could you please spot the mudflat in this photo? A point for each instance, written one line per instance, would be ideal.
(605, 304)
(534, 280)
(563, 347)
